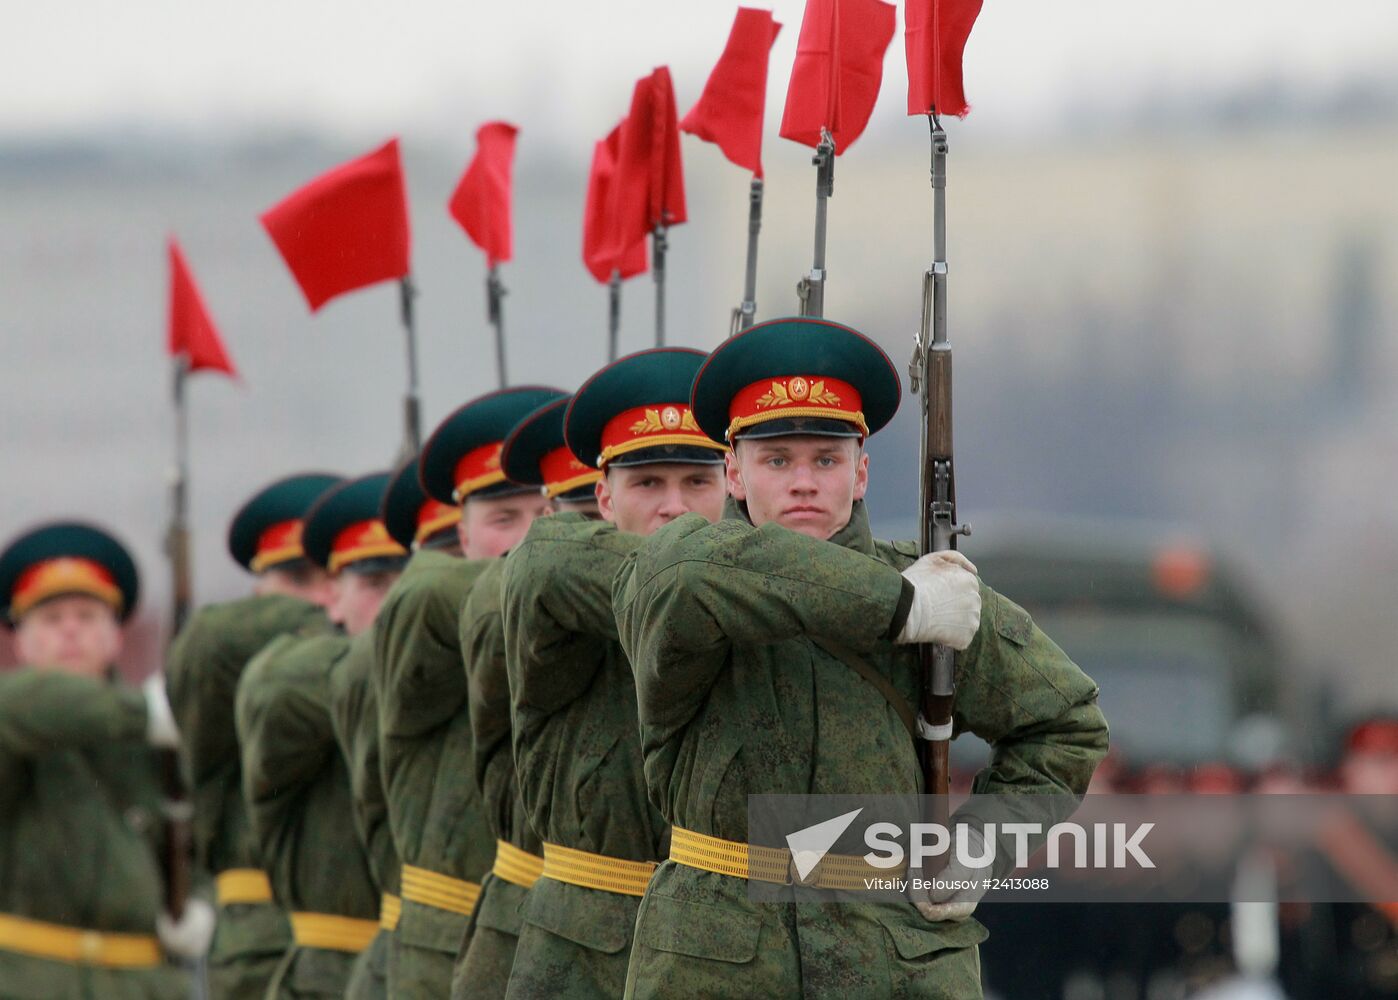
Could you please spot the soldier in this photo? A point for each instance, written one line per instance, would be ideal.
(742, 634)
(576, 739)
(295, 779)
(80, 832)
(205, 664)
(533, 455)
(434, 805)
(415, 521)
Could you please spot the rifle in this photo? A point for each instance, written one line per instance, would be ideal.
(810, 290)
(175, 805)
(745, 313)
(930, 377)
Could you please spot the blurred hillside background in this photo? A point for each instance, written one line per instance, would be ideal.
(1173, 246)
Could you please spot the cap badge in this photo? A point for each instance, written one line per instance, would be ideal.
(670, 418)
(798, 390)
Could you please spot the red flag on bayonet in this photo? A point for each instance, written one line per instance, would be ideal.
(598, 222)
(192, 333)
(347, 228)
(838, 71)
(934, 35)
(481, 202)
(729, 112)
(649, 186)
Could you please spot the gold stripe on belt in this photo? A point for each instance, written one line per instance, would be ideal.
(515, 865)
(242, 885)
(771, 864)
(390, 909)
(77, 946)
(332, 932)
(597, 871)
(456, 895)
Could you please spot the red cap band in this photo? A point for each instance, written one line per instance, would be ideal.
(796, 396)
(432, 517)
(650, 426)
(563, 472)
(278, 544)
(478, 469)
(363, 540)
(65, 575)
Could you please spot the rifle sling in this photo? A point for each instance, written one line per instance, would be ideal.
(865, 669)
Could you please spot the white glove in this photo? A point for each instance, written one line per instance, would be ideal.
(946, 600)
(160, 721)
(188, 937)
(956, 889)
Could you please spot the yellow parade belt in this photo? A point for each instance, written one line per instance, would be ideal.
(242, 885)
(77, 946)
(455, 895)
(515, 865)
(597, 871)
(331, 932)
(390, 909)
(771, 864)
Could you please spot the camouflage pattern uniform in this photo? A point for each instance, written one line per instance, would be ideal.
(484, 968)
(355, 713)
(79, 831)
(577, 751)
(201, 675)
(297, 788)
(429, 773)
(735, 698)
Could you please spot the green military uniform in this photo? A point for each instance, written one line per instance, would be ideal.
(576, 735)
(486, 963)
(299, 799)
(533, 455)
(296, 779)
(730, 630)
(79, 840)
(417, 522)
(202, 674)
(80, 823)
(427, 756)
(577, 753)
(355, 714)
(434, 806)
(202, 671)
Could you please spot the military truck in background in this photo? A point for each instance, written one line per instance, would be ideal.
(1192, 668)
(1193, 673)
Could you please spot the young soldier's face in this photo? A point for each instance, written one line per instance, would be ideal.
(642, 499)
(491, 527)
(307, 582)
(806, 483)
(356, 599)
(75, 634)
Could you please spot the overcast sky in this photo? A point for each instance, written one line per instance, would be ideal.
(358, 68)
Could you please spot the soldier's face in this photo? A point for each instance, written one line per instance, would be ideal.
(491, 527)
(642, 499)
(75, 634)
(308, 583)
(356, 599)
(806, 483)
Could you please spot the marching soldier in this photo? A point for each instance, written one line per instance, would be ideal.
(295, 779)
(744, 637)
(415, 521)
(533, 455)
(576, 739)
(80, 832)
(205, 664)
(434, 806)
